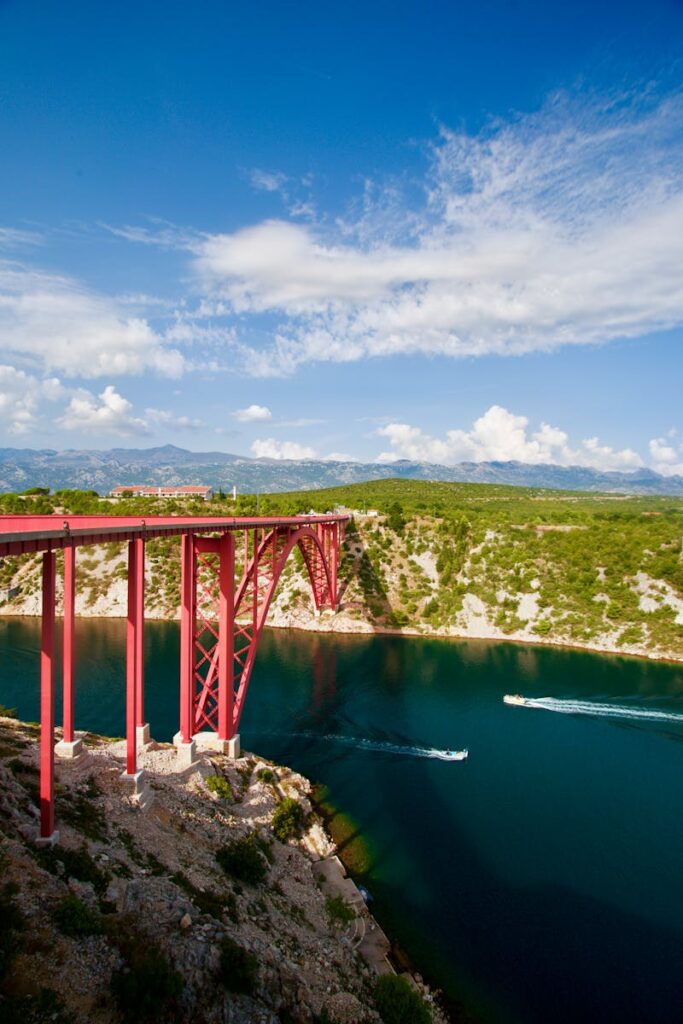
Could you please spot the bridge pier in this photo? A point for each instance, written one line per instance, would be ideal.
(221, 625)
(47, 835)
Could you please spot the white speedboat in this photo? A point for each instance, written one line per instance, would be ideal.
(451, 755)
(515, 698)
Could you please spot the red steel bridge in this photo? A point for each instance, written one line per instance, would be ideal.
(221, 619)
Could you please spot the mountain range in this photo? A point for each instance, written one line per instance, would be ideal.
(21, 468)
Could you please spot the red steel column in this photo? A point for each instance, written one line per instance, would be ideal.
(131, 667)
(334, 563)
(187, 598)
(47, 700)
(69, 644)
(226, 638)
(139, 631)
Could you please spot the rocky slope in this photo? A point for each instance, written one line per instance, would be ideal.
(191, 909)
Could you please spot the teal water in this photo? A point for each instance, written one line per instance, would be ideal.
(538, 881)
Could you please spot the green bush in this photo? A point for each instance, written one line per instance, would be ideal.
(146, 986)
(11, 921)
(398, 1003)
(266, 775)
(288, 819)
(242, 860)
(77, 864)
(338, 910)
(219, 785)
(237, 969)
(73, 917)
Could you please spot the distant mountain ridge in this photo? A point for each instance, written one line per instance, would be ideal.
(21, 468)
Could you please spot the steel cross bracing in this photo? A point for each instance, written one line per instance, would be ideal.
(265, 553)
(221, 621)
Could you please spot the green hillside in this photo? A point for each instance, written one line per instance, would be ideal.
(596, 569)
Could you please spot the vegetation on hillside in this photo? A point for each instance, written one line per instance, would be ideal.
(595, 569)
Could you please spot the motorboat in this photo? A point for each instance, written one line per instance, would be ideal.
(451, 755)
(515, 698)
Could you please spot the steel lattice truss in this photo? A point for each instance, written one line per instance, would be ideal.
(265, 555)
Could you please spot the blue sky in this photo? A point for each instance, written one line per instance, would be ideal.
(442, 231)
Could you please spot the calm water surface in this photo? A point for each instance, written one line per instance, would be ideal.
(539, 881)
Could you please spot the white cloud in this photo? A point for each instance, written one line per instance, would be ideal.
(269, 448)
(56, 324)
(167, 418)
(21, 398)
(339, 457)
(253, 414)
(112, 414)
(560, 227)
(667, 456)
(267, 181)
(11, 238)
(502, 436)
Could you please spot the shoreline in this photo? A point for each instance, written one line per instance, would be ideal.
(312, 626)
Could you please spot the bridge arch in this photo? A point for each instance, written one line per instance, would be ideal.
(227, 621)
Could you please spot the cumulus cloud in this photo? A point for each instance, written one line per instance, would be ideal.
(559, 227)
(253, 414)
(502, 436)
(54, 323)
(22, 397)
(667, 455)
(269, 448)
(108, 413)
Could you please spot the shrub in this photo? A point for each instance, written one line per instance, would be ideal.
(7, 712)
(219, 785)
(237, 968)
(338, 910)
(288, 819)
(73, 917)
(146, 987)
(242, 859)
(266, 775)
(77, 864)
(11, 921)
(398, 1003)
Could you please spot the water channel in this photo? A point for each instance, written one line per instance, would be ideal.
(539, 880)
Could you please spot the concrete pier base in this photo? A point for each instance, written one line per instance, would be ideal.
(210, 741)
(186, 752)
(142, 734)
(70, 751)
(135, 787)
(50, 840)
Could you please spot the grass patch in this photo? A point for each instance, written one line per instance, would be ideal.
(242, 859)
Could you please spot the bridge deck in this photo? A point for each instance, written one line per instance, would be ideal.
(26, 533)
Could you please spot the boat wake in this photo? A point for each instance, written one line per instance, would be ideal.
(598, 710)
(383, 747)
